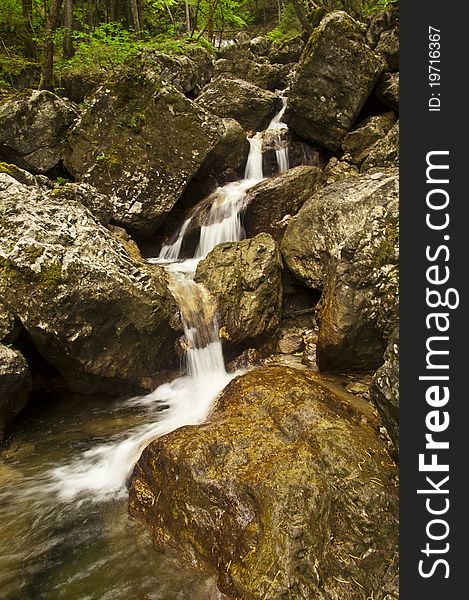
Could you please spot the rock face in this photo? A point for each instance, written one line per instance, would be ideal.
(32, 129)
(385, 389)
(240, 100)
(187, 72)
(263, 74)
(141, 143)
(385, 153)
(358, 143)
(387, 90)
(335, 76)
(332, 215)
(245, 279)
(15, 385)
(284, 492)
(100, 317)
(269, 202)
(359, 305)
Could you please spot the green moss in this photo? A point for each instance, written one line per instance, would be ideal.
(32, 253)
(136, 121)
(52, 276)
(7, 270)
(109, 159)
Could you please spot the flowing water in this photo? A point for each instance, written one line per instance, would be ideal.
(63, 507)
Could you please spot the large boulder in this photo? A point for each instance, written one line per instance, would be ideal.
(33, 125)
(287, 51)
(287, 491)
(141, 142)
(388, 47)
(335, 76)
(245, 279)
(358, 143)
(240, 100)
(384, 389)
(15, 385)
(269, 203)
(188, 72)
(263, 74)
(98, 315)
(359, 306)
(331, 216)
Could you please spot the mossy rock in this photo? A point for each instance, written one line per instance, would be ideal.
(285, 492)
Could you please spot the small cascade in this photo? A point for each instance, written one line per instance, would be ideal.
(277, 129)
(103, 471)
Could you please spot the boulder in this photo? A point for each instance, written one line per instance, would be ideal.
(385, 153)
(269, 203)
(358, 143)
(287, 491)
(102, 318)
(188, 72)
(33, 125)
(141, 143)
(265, 75)
(334, 214)
(260, 45)
(381, 22)
(15, 385)
(245, 279)
(287, 51)
(388, 47)
(384, 389)
(7, 322)
(335, 76)
(240, 100)
(359, 305)
(387, 90)
(230, 153)
(336, 170)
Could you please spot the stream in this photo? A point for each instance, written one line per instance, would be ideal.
(63, 499)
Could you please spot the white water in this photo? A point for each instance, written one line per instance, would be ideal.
(281, 149)
(102, 472)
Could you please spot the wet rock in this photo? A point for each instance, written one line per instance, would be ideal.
(385, 153)
(248, 104)
(246, 360)
(141, 144)
(33, 125)
(384, 389)
(188, 72)
(336, 170)
(358, 143)
(334, 214)
(285, 491)
(271, 201)
(359, 305)
(335, 76)
(245, 279)
(15, 385)
(231, 150)
(103, 319)
(387, 90)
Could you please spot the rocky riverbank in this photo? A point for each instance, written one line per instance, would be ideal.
(290, 489)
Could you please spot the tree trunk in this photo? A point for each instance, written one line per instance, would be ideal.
(188, 17)
(68, 27)
(301, 14)
(135, 18)
(47, 70)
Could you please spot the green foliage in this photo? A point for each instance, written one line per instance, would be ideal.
(105, 50)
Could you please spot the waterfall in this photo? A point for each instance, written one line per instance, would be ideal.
(102, 472)
(281, 146)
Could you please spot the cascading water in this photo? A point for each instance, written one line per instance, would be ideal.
(55, 549)
(278, 128)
